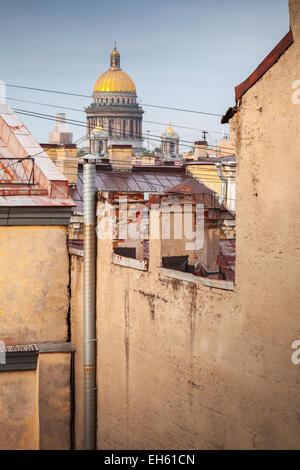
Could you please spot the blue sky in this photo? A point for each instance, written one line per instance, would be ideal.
(188, 54)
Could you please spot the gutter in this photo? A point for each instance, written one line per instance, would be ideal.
(224, 183)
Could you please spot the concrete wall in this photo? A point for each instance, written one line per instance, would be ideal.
(34, 281)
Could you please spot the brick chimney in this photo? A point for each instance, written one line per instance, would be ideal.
(120, 157)
(200, 149)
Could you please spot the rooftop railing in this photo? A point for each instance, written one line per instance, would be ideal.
(17, 171)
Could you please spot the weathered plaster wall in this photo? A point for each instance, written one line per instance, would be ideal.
(268, 247)
(34, 302)
(160, 373)
(54, 401)
(19, 414)
(34, 281)
(77, 340)
(185, 366)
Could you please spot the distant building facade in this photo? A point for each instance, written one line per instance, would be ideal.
(61, 150)
(61, 133)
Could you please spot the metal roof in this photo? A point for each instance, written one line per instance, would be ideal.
(191, 186)
(45, 185)
(147, 181)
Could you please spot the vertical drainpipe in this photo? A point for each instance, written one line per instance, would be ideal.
(224, 183)
(89, 288)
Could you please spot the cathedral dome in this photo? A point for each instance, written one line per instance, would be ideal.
(115, 79)
(170, 133)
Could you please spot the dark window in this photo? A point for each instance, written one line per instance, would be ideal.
(110, 127)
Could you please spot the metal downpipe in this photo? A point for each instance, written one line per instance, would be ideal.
(89, 287)
(224, 183)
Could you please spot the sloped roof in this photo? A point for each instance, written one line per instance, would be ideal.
(138, 180)
(27, 182)
(191, 186)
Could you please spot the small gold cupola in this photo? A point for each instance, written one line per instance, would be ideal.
(115, 59)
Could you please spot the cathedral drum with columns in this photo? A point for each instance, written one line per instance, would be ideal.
(114, 111)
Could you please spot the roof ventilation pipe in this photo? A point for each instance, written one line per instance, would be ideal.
(89, 288)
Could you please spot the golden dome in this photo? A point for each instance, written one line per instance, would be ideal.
(170, 133)
(170, 130)
(115, 80)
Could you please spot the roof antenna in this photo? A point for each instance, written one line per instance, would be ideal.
(204, 134)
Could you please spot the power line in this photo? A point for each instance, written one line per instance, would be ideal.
(48, 91)
(46, 104)
(180, 109)
(83, 111)
(71, 166)
(90, 96)
(134, 134)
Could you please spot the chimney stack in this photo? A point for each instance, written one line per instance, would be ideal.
(120, 157)
(61, 134)
(200, 149)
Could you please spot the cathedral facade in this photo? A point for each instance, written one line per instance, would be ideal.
(114, 111)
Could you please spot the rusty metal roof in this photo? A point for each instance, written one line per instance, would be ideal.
(191, 186)
(25, 181)
(147, 181)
